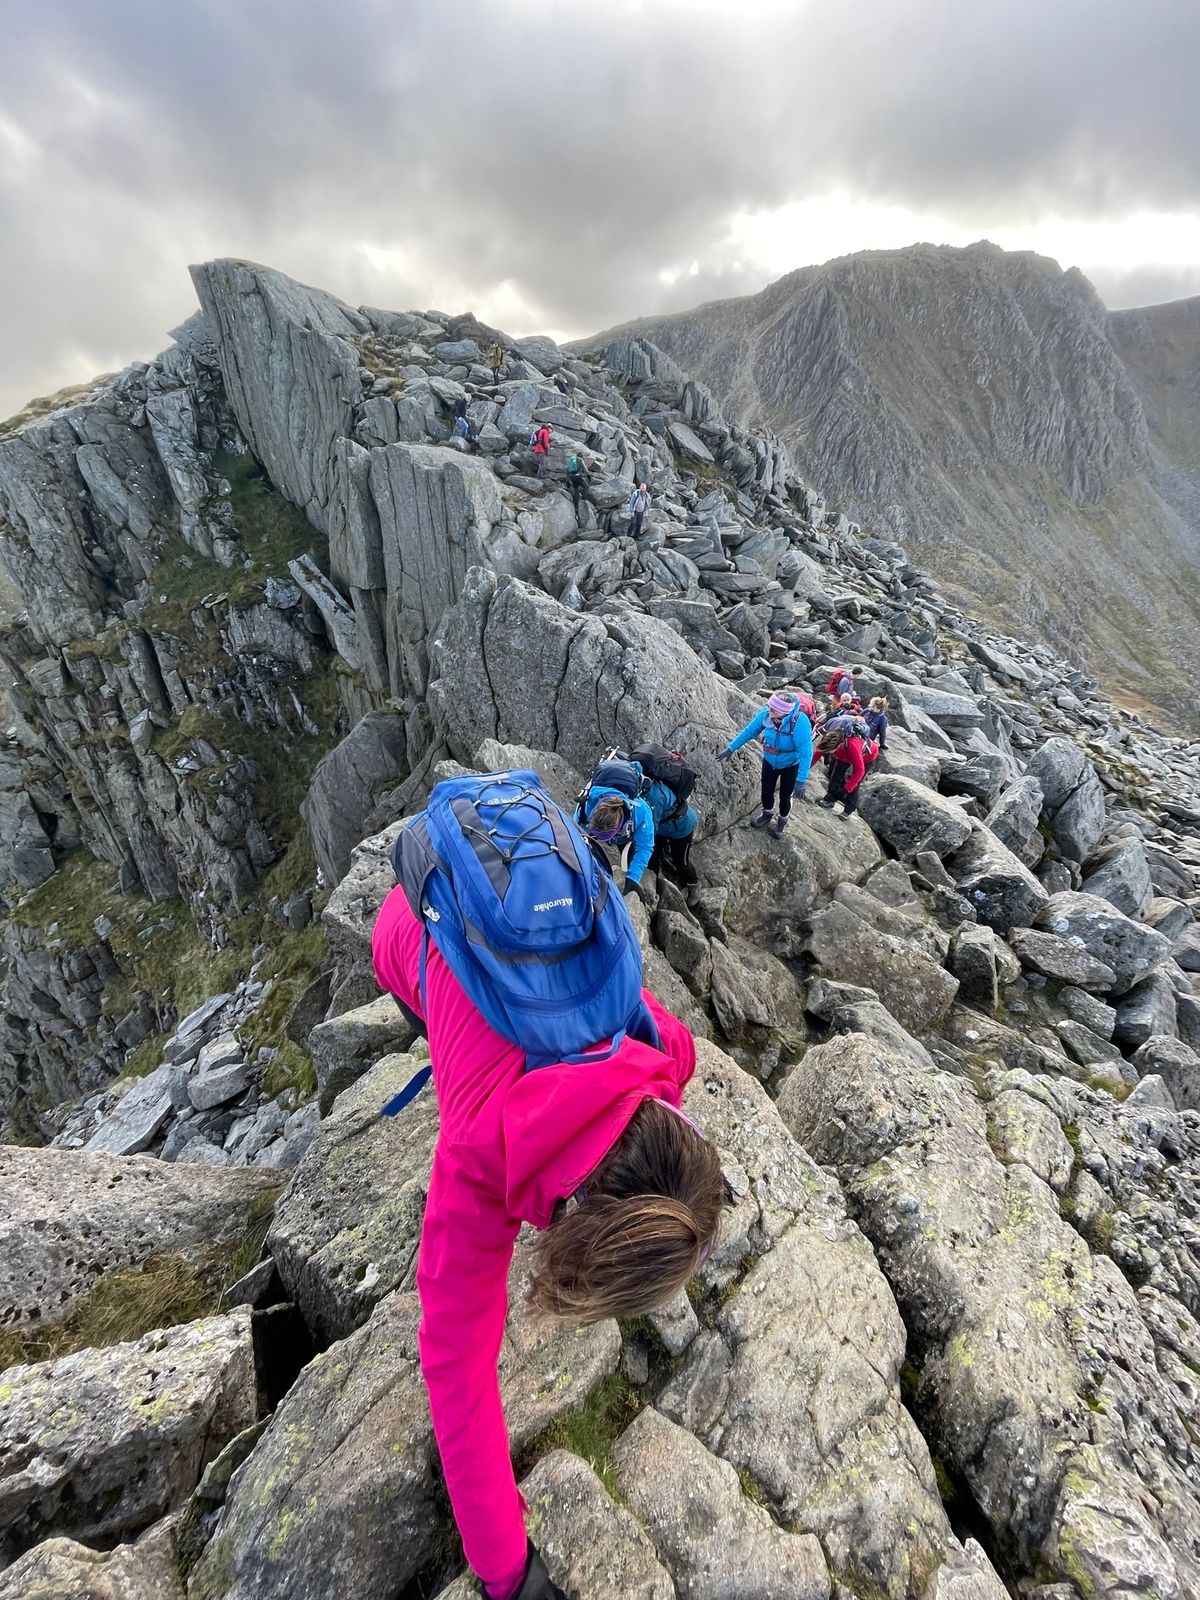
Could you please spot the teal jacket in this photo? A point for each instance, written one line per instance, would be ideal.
(647, 817)
(788, 745)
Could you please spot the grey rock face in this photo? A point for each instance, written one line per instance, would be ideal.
(290, 372)
(1012, 1263)
(70, 1217)
(347, 1046)
(70, 1571)
(912, 818)
(338, 1497)
(99, 1444)
(779, 888)
(346, 785)
(1122, 877)
(806, 1414)
(1175, 1064)
(713, 1540)
(1056, 957)
(346, 1230)
(856, 939)
(1003, 891)
(1014, 817)
(1130, 948)
(511, 664)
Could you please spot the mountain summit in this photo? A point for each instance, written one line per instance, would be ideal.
(1031, 447)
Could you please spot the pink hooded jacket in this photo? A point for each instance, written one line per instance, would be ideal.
(511, 1145)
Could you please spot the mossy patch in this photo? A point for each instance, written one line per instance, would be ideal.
(45, 404)
(271, 532)
(590, 1430)
(160, 1292)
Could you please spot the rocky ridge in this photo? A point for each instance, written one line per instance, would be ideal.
(1036, 453)
(947, 1344)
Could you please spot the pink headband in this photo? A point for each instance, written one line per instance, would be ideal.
(780, 704)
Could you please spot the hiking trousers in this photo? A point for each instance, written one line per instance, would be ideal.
(579, 494)
(679, 853)
(785, 777)
(635, 531)
(839, 772)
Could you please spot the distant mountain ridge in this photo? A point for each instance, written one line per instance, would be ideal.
(1039, 454)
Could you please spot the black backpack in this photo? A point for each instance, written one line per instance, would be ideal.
(669, 768)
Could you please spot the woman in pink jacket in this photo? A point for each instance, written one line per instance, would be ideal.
(513, 1147)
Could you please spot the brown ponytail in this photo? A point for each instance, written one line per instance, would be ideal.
(649, 1214)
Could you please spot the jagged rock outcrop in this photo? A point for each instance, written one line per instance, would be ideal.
(99, 1444)
(985, 1294)
(983, 407)
(70, 1218)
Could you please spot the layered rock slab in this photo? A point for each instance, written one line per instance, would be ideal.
(69, 1218)
(340, 1496)
(99, 1444)
(1038, 1374)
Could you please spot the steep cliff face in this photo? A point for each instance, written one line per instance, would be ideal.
(947, 1047)
(980, 403)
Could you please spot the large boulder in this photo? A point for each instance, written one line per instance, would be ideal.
(1121, 875)
(1014, 817)
(1002, 889)
(856, 939)
(1035, 1371)
(796, 1381)
(910, 818)
(1058, 768)
(776, 884)
(349, 917)
(346, 785)
(345, 1047)
(1176, 1064)
(711, 1537)
(1060, 958)
(510, 663)
(1078, 824)
(1146, 1011)
(99, 1444)
(1130, 948)
(62, 1569)
(340, 1496)
(70, 1218)
(291, 373)
(346, 1231)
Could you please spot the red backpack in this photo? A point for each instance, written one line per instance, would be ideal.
(835, 677)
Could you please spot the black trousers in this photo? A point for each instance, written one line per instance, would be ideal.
(579, 492)
(636, 528)
(678, 852)
(839, 772)
(785, 777)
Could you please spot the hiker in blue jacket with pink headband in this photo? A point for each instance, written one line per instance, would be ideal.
(785, 728)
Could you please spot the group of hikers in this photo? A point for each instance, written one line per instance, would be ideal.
(540, 439)
(559, 1078)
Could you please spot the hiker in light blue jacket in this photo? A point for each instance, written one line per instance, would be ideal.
(786, 733)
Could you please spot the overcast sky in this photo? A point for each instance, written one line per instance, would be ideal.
(567, 164)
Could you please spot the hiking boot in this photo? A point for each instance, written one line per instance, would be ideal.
(777, 830)
(764, 821)
(843, 814)
(827, 803)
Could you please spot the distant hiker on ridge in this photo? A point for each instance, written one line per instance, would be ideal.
(541, 448)
(578, 482)
(786, 733)
(639, 504)
(496, 361)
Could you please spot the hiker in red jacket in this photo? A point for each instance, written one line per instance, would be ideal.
(541, 448)
(849, 750)
(627, 1190)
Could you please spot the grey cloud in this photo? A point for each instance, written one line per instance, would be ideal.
(572, 152)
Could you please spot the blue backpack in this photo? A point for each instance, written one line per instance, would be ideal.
(505, 885)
